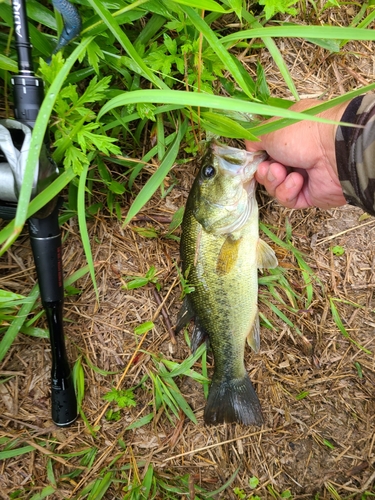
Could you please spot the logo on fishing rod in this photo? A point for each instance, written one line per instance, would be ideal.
(17, 17)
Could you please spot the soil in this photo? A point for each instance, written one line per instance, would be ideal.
(315, 383)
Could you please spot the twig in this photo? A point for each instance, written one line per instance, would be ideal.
(333, 236)
(165, 316)
(157, 312)
(220, 444)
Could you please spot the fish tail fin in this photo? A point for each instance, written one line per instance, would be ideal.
(233, 400)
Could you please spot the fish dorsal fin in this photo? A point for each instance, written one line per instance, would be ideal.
(266, 256)
(253, 338)
(227, 256)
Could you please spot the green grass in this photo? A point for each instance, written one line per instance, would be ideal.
(138, 63)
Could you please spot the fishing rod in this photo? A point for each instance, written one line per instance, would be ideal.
(44, 230)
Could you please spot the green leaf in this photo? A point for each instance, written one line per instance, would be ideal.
(325, 32)
(209, 5)
(236, 5)
(176, 220)
(141, 422)
(229, 62)
(79, 381)
(341, 327)
(116, 187)
(4, 455)
(328, 444)
(210, 101)
(121, 37)
(122, 398)
(253, 482)
(302, 395)
(273, 7)
(50, 473)
(8, 64)
(146, 232)
(47, 491)
(136, 283)
(144, 327)
(286, 494)
(224, 126)
(18, 322)
(94, 55)
(338, 250)
(83, 228)
(100, 487)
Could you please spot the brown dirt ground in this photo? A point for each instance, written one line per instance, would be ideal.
(323, 443)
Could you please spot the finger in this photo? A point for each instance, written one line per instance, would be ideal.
(271, 175)
(290, 192)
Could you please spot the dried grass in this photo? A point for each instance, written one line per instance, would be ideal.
(307, 445)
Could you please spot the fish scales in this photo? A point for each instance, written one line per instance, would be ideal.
(220, 257)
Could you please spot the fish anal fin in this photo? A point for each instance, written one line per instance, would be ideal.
(266, 257)
(228, 255)
(253, 338)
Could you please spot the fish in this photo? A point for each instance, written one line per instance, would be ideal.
(221, 253)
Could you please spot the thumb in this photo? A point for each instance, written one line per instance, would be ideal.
(254, 145)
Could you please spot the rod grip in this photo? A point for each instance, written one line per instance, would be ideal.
(63, 396)
(45, 238)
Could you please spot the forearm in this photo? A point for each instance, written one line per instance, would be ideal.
(355, 153)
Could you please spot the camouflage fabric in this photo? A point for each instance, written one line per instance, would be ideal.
(355, 153)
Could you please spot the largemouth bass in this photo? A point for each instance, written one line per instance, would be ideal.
(221, 253)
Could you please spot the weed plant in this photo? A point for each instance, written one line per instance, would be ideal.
(171, 63)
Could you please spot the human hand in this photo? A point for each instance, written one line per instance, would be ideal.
(301, 171)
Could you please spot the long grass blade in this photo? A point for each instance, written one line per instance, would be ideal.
(83, 227)
(46, 492)
(7, 64)
(18, 322)
(101, 486)
(204, 4)
(277, 124)
(4, 455)
(157, 178)
(224, 486)
(326, 32)
(120, 35)
(218, 48)
(341, 327)
(210, 101)
(275, 53)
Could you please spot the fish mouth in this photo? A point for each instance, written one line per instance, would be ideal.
(238, 162)
(242, 164)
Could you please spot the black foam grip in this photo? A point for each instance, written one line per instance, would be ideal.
(64, 402)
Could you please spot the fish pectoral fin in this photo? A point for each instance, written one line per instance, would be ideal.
(228, 256)
(185, 314)
(265, 256)
(253, 338)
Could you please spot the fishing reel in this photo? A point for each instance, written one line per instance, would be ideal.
(15, 139)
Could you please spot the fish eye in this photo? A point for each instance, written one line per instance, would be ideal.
(208, 172)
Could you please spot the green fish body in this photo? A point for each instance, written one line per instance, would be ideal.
(221, 253)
